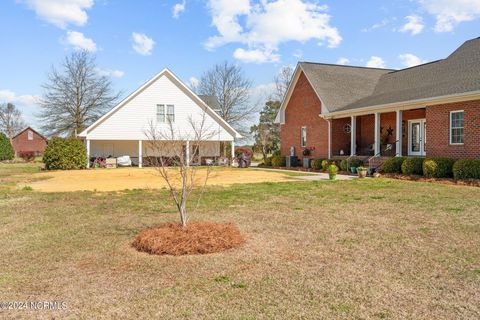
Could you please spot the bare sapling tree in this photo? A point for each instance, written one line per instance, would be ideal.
(175, 154)
(11, 120)
(75, 96)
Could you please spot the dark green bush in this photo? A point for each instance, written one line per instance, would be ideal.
(413, 166)
(279, 161)
(343, 165)
(268, 162)
(466, 169)
(6, 150)
(65, 154)
(354, 163)
(393, 165)
(438, 167)
(316, 164)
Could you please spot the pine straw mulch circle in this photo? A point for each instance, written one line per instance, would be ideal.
(195, 238)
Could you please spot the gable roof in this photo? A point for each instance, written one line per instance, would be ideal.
(458, 73)
(31, 129)
(182, 86)
(339, 85)
(344, 89)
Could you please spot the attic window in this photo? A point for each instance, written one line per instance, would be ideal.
(30, 135)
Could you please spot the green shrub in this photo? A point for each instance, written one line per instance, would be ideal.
(466, 169)
(413, 166)
(332, 169)
(393, 165)
(6, 150)
(325, 164)
(438, 167)
(65, 154)
(343, 165)
(354, 163)
(316, 164)
(268, 162)
(278, 161)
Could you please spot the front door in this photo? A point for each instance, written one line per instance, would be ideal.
(416, 137)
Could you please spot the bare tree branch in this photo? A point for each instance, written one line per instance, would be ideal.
(75, 97)
(11, 120)
(173, 151)
(282, 80)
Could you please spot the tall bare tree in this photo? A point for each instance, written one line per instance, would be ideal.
(75, 96)
(229, 85)
(11, 120)
(174, 152)
(282, 80)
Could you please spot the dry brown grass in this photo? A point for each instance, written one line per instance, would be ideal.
(362, 249)
(196, 238)
(145, 178)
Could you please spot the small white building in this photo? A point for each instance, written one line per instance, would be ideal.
(163, 103)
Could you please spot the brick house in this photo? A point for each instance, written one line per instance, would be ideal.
(29, 140)
(337, 111)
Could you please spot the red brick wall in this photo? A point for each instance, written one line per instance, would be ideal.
(21, 143)
(340, 139)
(303, 110)
(438, 130)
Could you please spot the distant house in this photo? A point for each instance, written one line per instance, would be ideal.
(337, 111)
(29, 140)
(161, 101)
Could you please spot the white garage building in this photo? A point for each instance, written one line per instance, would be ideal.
(163, 102)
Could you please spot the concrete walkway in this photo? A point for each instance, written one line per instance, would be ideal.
(309, 176)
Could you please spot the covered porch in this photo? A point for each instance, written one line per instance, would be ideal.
(380, 134)
(144, 153)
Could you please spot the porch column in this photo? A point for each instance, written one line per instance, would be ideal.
(399, 136)
(140, 159)
(88, 153)
(330, 138)
(377, 134)
(353, 136)
(233, 149)
(187, 153)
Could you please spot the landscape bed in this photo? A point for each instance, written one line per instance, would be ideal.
(370, 248)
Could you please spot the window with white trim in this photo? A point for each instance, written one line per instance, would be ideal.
(170, 113)
(303, 135)
(160, 113)
(30, 135)
(456, 127)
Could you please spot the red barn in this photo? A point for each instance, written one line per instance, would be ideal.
(29, 140)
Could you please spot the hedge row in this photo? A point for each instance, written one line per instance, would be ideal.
(436, 167)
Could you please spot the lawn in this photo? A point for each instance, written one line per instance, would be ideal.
(376, 248)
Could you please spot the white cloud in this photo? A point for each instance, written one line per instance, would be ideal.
(142, 44)
(378, 25)
(80, 42)
(410, 60)
(21, 100)
(414, 25)
(264, 26)
(343, 61)
(376, 62)
(193, 82)
(178, 8)
(255, 55)
(449, 13)
(61, 12)
(298, 54)
(110, 73)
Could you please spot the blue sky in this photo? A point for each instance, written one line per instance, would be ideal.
(133, 40)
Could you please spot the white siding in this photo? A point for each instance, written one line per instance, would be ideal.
(132, 121)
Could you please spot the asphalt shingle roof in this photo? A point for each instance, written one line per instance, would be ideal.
(347, 88)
